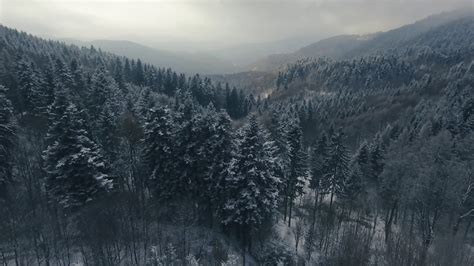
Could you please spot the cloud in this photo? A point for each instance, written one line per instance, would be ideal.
(218, 22)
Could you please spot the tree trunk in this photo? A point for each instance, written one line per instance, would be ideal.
(289, 213)
(389, 221)
(410, 241)
(296, 245)
(468, 226)
(375, 220)
(244, 245)
(424, 251)
(4, 259)
(330, 202)
(315, 207)
(456, 226)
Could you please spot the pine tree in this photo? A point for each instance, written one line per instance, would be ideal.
(30, 89)
(186, 106)
(55, 113)
(279, 129)
(467, 116)
(362, 154)
(7, 139)
(159, 153)
(222, 154)
(337, 164)
(361, 158)
(213, 139)
(279, 133)
(76, 171)
(190, 157)
(118, 74)
(108, 133)
(79, 86)
(127, 71)
(145, 104)
(297, 165)
(352, 186)
(49, 85)
(234, 104)
(318, 167)
(253, 190)
(25, 84)
(63, 77)
(376, 160)
(98, 92)
(138, 75)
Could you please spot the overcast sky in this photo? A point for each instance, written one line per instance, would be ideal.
(220, 22)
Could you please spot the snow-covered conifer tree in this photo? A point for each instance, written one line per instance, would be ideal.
(252, 192)
(76, 170)
(7, 136)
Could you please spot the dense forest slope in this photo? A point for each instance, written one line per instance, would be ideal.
(351, 46)
(334, 47)
(391, 82)
(106, 160)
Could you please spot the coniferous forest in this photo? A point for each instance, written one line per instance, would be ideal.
(366, 159)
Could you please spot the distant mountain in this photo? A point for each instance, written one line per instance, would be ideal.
(426, 56)
(350, 46)
(180, 61)
(244, 54)
(395, 38)
(333, 47)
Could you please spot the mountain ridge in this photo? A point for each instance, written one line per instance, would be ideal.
(351, 46)
(185, 62)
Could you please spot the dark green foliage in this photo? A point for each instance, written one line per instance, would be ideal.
(297, 160)
(337, 165)
(7, 141)
(369, 72)
(375, 160)
(353, 184)
(216, 154)
(31, 96)
(275, 254)
(158, 153)
(296, 166)
(204, 149)
(108, 133)
(77, 172)
(237, 105)
(63, 75)
(253, 190)
(99, 92)
(318, 166)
